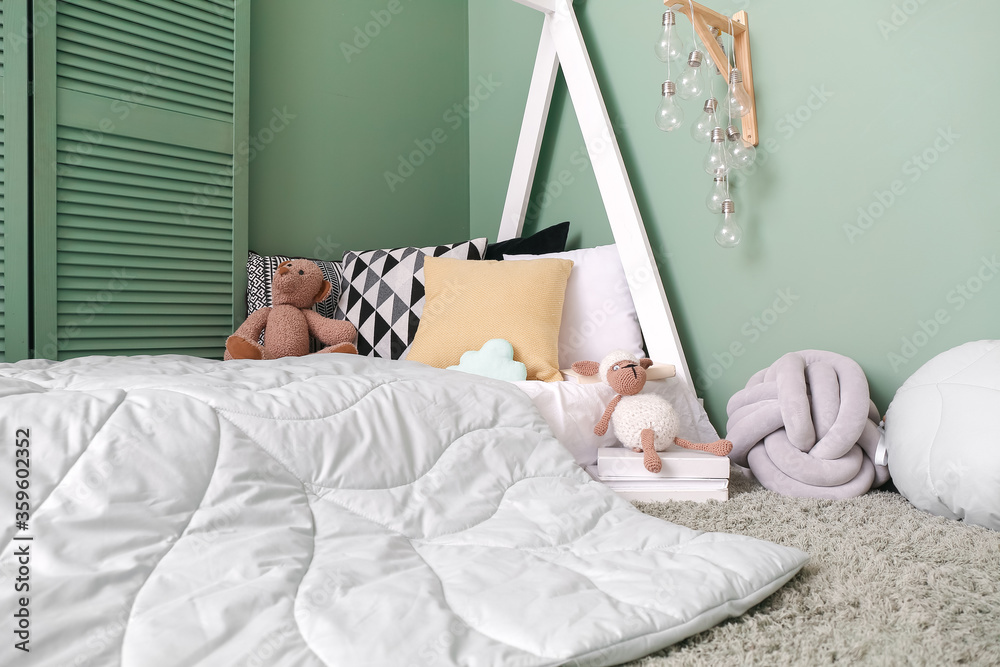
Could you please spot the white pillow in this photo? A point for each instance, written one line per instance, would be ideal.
(598, 313)
(942, 432)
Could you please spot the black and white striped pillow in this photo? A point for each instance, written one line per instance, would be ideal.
(260, 274)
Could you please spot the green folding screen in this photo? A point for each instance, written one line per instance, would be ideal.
(14, 277)
(140, 175)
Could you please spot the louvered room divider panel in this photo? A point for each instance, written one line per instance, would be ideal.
(140, 195)
(14, 276)
(3, 226)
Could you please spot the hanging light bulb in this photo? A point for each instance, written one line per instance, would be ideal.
(741, 154)
(669, 47)
(728, 234)
(669, 115)
(692, 81)
(739, 101)
(718, 194)
(717, 161)
(701, 130)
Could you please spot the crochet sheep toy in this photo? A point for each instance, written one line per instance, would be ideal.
(646, 423)
(289, 321)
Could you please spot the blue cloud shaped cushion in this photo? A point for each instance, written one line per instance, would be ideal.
(943, 435)
(495, 360)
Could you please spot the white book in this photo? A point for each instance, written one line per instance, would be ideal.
(666, 495)
(654, 372)
(677, 462)
(661, 489)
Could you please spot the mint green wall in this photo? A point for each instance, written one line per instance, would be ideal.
(871, 89)
(317, 169)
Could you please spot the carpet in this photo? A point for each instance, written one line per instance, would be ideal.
(887, 584)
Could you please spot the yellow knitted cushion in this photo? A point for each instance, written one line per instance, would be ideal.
(470, 302)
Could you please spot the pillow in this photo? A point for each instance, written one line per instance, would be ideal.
(550, 239)
(941, 435)
(495, 360)
(598, 314)
(260, 273)
(470, 303)
(382, 293)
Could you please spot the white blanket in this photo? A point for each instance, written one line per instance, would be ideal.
(335, 510)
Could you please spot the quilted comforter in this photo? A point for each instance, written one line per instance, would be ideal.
(332, 510)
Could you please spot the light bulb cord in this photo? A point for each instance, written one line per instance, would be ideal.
(694, 32)
(730, 57)
(670, 29)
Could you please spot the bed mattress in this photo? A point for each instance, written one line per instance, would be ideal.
(334, 510)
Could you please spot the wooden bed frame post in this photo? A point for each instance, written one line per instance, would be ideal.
(562, 44)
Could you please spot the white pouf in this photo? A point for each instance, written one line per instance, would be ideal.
(942, 433)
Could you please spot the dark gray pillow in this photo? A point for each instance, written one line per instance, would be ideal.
(550, 239)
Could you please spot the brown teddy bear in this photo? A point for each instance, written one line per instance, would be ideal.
(287, 324)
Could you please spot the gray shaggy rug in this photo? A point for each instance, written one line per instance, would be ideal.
(886, 584)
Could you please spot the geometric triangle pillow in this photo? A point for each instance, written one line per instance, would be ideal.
(382, 293)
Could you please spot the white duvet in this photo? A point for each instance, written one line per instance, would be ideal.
(334, 510)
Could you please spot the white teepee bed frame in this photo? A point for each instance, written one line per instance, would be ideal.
(562, 44)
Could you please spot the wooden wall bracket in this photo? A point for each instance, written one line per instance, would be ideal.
(704, 19)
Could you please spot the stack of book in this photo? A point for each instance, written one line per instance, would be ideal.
(686, 474)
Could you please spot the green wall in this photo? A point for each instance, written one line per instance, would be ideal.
(333, 109)
(849, 96)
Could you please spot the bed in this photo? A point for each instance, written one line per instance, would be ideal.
(337, 510)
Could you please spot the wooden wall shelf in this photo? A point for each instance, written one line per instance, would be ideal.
(704, 19)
